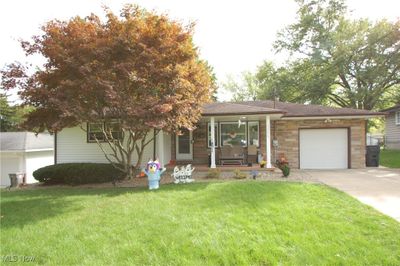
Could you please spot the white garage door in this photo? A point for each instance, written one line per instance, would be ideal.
(323, 148)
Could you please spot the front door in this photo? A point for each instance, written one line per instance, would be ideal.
(184, 147)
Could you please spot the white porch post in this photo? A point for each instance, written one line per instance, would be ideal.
(268, 140)
(160, 147)
(212, 142)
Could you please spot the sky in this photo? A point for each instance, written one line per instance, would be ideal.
(233, 36)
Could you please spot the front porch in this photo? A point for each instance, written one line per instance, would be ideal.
(226, 142)
(222, 168)
(228, 139)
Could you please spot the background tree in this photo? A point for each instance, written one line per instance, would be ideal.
(11, 116)
(140, 69)
(358, 60)
(213, 81)
(246, 89)
(299, 81)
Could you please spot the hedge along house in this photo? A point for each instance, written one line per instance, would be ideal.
(309, 136)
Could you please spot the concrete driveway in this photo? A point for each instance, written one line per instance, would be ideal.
(377, 187)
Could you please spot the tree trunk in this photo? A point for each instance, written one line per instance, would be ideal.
(130, 172)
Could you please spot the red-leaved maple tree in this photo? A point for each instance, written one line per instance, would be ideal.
(140, 69)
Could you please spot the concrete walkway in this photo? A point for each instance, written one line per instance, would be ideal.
(377, 187)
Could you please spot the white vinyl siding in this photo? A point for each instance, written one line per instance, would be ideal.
(392, 131)
(72, 147)
(23, 162)
(11, 163)
(36, 160)
(167, 148)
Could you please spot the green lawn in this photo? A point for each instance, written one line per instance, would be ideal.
(223, 223)
(390, 158)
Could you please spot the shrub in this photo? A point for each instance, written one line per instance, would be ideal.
(285, 170)
(78, 173)
(283, 165)
(213, 173)
(237, 174)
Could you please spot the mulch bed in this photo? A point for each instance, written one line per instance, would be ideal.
(295, 176)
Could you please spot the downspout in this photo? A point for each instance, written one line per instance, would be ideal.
(55, 147)
(154, 144)
(274, 139)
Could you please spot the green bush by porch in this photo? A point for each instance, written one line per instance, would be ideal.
(237, 222)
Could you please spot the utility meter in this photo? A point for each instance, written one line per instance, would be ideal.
(275, 143)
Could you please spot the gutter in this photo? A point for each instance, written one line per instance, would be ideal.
(243, 113)
(331, 117)
(31, 150)
(55, 147)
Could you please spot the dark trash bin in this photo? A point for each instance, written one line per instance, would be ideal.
(372, 157)
(13, 180)
(21, 178)
(17, 179)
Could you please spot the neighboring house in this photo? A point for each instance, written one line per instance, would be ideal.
(24, 152)
(392, 127)
(309, 136)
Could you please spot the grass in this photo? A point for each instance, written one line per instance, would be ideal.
(390, 158)
(216, 223)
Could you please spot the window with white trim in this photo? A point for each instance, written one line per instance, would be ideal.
(397, 118)
(209, 134)
(233, 134)
(254, 133)
(96, 131)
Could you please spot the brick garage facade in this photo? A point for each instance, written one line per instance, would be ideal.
(287, 134)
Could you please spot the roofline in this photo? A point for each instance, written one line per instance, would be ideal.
(331, 117)
(373, 115)
(246, 113)
(393, 108)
